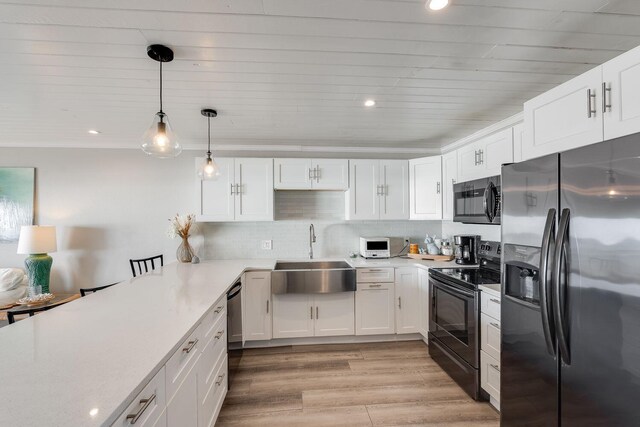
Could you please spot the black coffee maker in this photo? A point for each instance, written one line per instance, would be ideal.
(466, 249)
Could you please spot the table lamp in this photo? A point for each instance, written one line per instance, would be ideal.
(36, 241)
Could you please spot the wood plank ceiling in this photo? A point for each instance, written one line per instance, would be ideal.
(292, 72)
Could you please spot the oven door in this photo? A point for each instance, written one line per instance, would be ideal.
(454, 319)
(477, 202)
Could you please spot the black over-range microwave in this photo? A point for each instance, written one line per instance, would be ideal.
(478, 201)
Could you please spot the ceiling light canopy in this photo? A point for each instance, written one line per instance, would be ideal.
(209, 169)
(369, 103)
(159, 140)
(437, 4)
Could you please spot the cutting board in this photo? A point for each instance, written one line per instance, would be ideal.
(431, 257)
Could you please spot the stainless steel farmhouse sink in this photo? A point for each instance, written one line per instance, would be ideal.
(313, 277)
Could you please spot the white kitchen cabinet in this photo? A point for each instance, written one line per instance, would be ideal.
(490, 377)
(311, 174)
(490, 338)
(518, 139)
(490, 335)
(378, 189)
(565, 117)
(256, 312)
(621, 77)
(449, 178)
(242, 192)
(407, 300)
(425, 302)
(425, 188)
(292, 315)
(485, 157)
(308, 315)
(334, 314)
(182, 409)
(375, 309)
(153, 414)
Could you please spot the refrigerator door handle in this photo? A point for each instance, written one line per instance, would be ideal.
(557, 299)
(548, 242)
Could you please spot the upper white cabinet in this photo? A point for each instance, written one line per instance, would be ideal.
(485, 156)
(425, 188)
(518, 139)
(449, 178)
(621, 103)
(311, 174)
(242, 192)
(257, 309)
(407, 300)
(378, 189)
(565, 117)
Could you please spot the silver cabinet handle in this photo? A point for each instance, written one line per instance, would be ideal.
(231, 189)
(311, 312)
(606, 94)
(495, 367)
(267, 306)
(190, 346)
(145, 404)
(400, 303)
(317, 313)
(475, 157)
(220, 378)
(317, 173)
(238, 188)
(375, 286)
(481, 154)
(438, 187)
(591, 95)
(219, 334)
(375, 270)
(497, 301)
(310, 174)
(495, 325)
(218, 309)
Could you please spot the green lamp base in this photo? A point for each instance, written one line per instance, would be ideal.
(38, 270)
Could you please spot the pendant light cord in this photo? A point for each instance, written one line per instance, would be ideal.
(209, 135)
(161, 87)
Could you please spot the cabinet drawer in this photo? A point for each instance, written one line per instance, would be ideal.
(490, 305)
(490, 375)
(372, 275)
(211, 401)
(490, 336)
(180, 364)
(148, 412)
(210, 322)
(213, 351)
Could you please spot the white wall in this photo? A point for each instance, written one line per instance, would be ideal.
(108, 206)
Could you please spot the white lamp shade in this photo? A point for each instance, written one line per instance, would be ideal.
(37, 239)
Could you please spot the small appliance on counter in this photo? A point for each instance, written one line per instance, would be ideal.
(466, 248)
(454, 319)
(375, 247)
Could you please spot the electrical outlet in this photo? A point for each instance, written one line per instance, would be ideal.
(407, 241)
(267, 245)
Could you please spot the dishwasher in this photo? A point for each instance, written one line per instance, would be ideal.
(234, 330)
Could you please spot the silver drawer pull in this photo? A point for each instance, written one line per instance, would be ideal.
(219, 334)
(400, 303)
(375, 286)
(495, 325)
(218, 309)
(375, 271)
(495, 367)
(190, 346)
(145, 404)
(497, 301)
(220, 379)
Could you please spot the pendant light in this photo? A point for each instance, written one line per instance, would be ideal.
(209, 169)
(159, 140)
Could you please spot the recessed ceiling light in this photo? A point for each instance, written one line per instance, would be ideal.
(437, 4)
(93, 132)
(369, 103)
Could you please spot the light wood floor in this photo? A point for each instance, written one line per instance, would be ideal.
(348, 385)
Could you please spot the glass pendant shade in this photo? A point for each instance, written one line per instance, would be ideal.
(159, 140)
(209, 169)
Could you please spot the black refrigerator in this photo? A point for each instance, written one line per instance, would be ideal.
(571, 288)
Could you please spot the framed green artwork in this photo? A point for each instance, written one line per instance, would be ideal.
(17, 187)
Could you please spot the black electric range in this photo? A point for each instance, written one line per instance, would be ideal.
(486, 273)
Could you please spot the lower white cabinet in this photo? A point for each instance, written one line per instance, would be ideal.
(182, 409)
(490, 345)
(490, 336)
(148, 408)
(407, 300)
(490, 376)
(256, 298)
(425, 302)
(308, 315)
(375, 309)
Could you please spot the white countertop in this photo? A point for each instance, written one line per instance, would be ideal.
(494, 289)
(98, 352)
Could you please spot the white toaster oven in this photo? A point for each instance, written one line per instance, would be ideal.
(375, 247)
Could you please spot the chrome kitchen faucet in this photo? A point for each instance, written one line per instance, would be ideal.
(312, 240)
